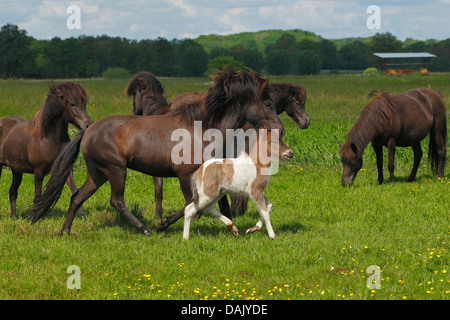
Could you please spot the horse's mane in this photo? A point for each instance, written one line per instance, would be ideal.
(54, 105)
(374, 118)
(190, 111)
(232, 90)
(144, 81)
(152, 90)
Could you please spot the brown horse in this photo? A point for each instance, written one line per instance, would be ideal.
(403, 120)
(148, 95)
(286, 98)
(148, 99)
(32, 146)
(145, 144)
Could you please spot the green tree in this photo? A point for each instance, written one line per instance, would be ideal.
(219, 63)
(16, 57)
(252, 58)
(193, 58)
(385, 42)
(307, 62)
(329, 53)
(442, 50)
(278, 62)
(354, 56)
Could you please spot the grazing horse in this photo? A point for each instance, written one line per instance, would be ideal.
(32, 146)
(246, 175)
(286, 98)
(145, 144)
(403, 120)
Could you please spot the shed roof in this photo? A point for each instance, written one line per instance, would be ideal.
(389, 55)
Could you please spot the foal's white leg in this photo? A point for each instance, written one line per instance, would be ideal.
(212, 210)
(189, 213)
(264, 207)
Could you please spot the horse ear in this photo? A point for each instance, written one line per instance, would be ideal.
(341, 144)
(354, 148)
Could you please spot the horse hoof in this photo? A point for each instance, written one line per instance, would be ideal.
(147, 232)
(160, 227)
(251, 230)
(233, 229)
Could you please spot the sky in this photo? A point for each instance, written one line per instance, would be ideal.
(150, 19)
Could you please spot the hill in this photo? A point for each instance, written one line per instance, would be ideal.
(259, 39)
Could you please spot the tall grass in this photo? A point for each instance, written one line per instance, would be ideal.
(327, 236)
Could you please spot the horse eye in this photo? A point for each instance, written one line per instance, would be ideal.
(73, 104)
(267, 103)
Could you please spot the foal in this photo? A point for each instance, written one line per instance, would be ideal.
(246, 175)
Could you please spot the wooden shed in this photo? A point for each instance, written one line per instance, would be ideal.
(387, 60)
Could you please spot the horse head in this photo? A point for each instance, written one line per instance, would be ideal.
(243, 95)
(74, 98)
(147, 92)
(351, 158)
(295, 107)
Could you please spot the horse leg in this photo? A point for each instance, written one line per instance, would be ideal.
(417, 157)
(93, 181)
(228, 222)
(391, 158)
(225, 207)
(264, 207)
(158, 182)
(73, 187)
(189, 214)
(185, 185)
(441, 145)
(379, 155)
(17, 180)
(116, 179)
(238, 205)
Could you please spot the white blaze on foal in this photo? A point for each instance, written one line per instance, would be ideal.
(247, 175)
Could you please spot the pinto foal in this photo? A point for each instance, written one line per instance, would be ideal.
(247, 175)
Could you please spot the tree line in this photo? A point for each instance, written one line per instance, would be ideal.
(22, 56)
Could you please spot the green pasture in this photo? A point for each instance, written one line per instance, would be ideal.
(327, 235)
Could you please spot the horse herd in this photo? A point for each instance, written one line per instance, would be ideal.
(142, 141)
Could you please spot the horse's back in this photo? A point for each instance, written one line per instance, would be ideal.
(7, 124)
(131, 141)
(415, 111)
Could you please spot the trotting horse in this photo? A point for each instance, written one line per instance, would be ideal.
(287, 98)
(148, 99)
(32, 146)
(248, 175)
(397, 121)
(145, 144)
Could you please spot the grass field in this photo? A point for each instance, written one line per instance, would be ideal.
(327, 236)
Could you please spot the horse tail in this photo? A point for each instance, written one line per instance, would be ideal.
(59, 173)
(433, 156)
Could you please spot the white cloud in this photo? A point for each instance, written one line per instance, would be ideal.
(141, 19)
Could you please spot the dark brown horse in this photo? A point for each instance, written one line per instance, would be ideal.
(287, 98)
(397, 121)
(145, 144)
(32, 146)
(148, 99)
(148, 95)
